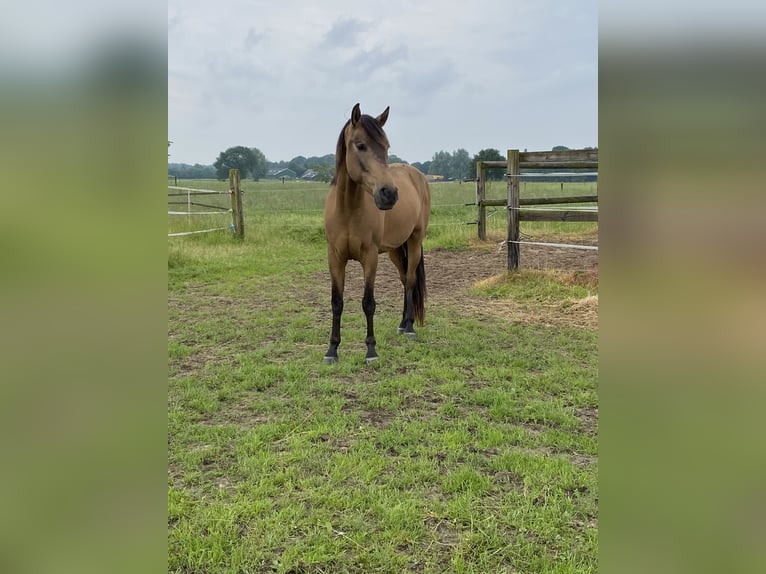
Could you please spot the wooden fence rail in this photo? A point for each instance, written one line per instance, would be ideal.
(516, 206)
(236, 203)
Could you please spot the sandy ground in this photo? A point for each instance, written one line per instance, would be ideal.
(449, 274)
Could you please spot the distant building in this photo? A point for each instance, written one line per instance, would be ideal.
(431, 177)
(309, 174)
(286, 173)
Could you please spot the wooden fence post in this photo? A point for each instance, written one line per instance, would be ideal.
(513, 209)
(236, 203)
(482, 215)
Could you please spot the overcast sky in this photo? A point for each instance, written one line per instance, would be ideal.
(283, 75)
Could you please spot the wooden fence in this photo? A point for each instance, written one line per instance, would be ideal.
(237, 214)
(517, 207)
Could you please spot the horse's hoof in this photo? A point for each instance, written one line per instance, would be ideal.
(330, 360)
(411, 335)
(369, 360)
(400, 330)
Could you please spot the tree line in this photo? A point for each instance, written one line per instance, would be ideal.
(252, 163)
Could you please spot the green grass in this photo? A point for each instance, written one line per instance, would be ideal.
(294, 209)
(537, 286)
(472, 449)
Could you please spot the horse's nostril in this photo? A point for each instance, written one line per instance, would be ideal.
(386, 198)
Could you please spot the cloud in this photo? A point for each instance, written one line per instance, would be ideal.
(344, 33)
(368, 61)
(175, 17)
(279, 67)
(252, 39)
(430, 77)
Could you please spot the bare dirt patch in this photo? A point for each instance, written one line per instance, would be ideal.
(589, 418)
(450, 274)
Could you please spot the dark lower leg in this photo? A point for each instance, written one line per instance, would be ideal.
(337, 310)
(403, 324)
(408, 314)
(368, 305)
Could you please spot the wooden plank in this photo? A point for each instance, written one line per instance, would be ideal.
(513, 211)
(559, 165)
(495, 202)
(494, 163)
(567, 155)
(549, 215)
(538, 161)
(480, 201)
(236, 203)
(557, 200)
(240, 226)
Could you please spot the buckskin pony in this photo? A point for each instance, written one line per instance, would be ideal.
(374, 207)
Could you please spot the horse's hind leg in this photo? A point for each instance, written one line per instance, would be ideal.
(338, 279)
(407, 266)
(414, 288)
(399, 259)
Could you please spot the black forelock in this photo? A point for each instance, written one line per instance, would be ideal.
(373, 130)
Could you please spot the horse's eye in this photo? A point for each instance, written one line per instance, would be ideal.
(361, 147)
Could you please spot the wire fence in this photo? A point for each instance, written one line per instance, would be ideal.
(269, 205)
(213, 209)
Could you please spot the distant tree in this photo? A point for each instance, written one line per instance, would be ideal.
(455, 165)
(560, 148)
(393, 158)
(461, 164)
(239, 157)
(325, 171)
(261, 166)
(489, 154)
(328, 159)
(422, 166)
(440, 163)
(196, 171)
(298, 165)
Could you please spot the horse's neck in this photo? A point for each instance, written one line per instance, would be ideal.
(349, 194)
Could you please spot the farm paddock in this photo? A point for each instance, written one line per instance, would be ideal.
(472, 449)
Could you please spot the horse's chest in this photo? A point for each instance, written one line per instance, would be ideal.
(363, 238)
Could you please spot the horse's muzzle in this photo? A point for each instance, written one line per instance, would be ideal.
(385, 198)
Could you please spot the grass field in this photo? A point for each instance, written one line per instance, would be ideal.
(472, 449)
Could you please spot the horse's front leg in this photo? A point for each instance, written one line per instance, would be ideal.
(338, 279)
(370, 268)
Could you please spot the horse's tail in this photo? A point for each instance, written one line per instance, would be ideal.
(419, 291)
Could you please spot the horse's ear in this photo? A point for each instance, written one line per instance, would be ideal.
(356, 115)
(381, 119)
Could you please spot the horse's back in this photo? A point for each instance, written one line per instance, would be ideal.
(411, 213)
(410, 180)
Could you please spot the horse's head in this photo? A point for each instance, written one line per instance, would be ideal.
(363, 146)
